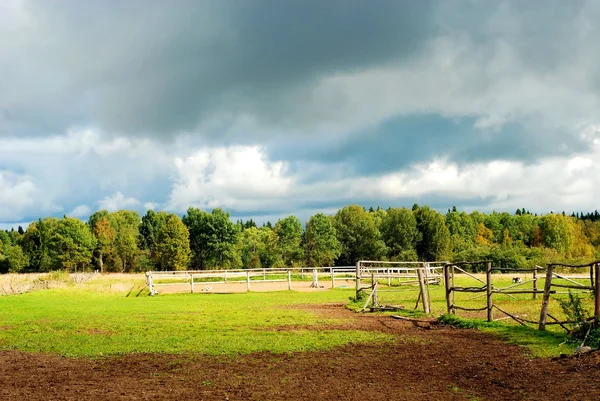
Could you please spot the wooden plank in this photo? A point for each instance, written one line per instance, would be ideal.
(576, 287)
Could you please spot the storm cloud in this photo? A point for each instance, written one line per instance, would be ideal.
(271, 107)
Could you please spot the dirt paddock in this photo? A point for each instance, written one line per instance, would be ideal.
(424, 363)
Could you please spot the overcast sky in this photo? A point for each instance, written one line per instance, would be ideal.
(270, 108)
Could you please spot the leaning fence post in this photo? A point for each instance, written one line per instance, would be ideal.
(420, 274)
(490, 304)
(546, 299)
(448, 288)
(597, 291)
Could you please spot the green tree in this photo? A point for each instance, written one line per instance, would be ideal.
(105, 239)
(399, 232)
(289, 234)
(557, 232)
(72, 243)
(213, 238)
(251, 248)
(434, 243)
(358, 235)
(321, 245)
(173, 245)
(16, 259)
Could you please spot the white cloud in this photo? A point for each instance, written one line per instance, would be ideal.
(117, 201)
(17, 193)
(80, 211)
(238, 177)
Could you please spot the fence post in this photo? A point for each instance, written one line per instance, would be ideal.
(420, 274)
(357, 278)
(375, 300)
(247, 281)
(449, 303)
(546, 299)
(597, 291)
(192, 282)
(315, 283)
(488, 276)
(535, 281)
(289, 279)
(332, 278)
(389, 277)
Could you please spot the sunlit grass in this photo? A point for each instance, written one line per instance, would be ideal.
(77, 322)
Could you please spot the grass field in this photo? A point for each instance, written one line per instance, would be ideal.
(113, 315)
(79, 322)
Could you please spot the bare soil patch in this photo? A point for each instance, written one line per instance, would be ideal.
(423, 363)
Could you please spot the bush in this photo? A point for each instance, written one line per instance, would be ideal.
(582, 327)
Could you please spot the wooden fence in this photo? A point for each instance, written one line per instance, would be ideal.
(212, 280)
(488, 289)
(396, 274)
(594, 277)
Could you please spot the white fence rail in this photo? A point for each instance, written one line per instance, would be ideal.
(214, 280)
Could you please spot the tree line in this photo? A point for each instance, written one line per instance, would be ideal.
(124, 241)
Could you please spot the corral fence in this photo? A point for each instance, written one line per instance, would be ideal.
(248, 279)
(377, 277)
(486, 288)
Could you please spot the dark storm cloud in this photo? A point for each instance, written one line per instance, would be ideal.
(399, 143)
(151, 67)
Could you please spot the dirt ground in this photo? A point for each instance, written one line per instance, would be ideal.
(426, 362)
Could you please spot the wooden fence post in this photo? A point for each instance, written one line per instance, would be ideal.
(490, 304)
(192, 282)
(375, 300)
(315, 283)
(535, 282)
(420, 274)
(247, 281)
(357, 278)
(289, 279)
(449, 303)
(546, 299)
(597, 291)
(332, 277)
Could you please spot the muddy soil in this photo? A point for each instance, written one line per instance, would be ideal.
(425, 362)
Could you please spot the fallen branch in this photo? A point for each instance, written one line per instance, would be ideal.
(411, 319)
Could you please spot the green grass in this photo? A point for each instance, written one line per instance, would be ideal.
(78, 322)
(112, 315)
(552, 342)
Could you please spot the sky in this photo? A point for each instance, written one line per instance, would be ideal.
(267, 108)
